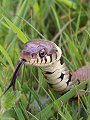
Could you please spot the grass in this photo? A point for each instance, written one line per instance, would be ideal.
(65, 22)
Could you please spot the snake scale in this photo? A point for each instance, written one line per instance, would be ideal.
(48, 57)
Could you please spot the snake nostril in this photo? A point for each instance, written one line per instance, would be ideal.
(33, 55)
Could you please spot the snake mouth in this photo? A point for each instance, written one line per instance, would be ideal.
(46, 61)
(38, 61)
(13, 81)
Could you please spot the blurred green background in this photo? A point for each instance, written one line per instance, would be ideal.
(65, 22)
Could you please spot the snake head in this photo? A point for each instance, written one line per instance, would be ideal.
(40, 52)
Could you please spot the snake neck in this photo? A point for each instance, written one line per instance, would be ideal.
(58, 75)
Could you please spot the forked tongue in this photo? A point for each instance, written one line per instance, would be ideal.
(18, 68)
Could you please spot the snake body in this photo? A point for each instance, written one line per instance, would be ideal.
(48, 57)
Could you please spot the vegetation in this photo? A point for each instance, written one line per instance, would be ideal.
(65, 22)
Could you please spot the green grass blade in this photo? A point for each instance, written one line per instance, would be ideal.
(19, 113)
(6, 118)
(8, 100)
(24, 111)
(35, 95)
(57, 106)
(74, 50)
(67, 114)
(6, 6)
(46, 112)
(21, 12)
(78, 24)
(4, 52)
(34, 29)
(57, 21)
(16, 30)
(69, 3)
(36, 8)
(88, 117)
(62, 30)
(56, 17)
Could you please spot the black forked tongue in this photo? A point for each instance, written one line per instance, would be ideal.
(18, 68)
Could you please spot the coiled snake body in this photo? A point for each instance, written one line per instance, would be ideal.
(48, 56)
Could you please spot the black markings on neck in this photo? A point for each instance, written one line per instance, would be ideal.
(61, 60)
(37, 60)
(86, 87)
(50, 57)
(41, 60)
(45, 59)
(56, 55)
(61, 76)
(47, 72)
(51, 85)
(69, 80)
(78, 81)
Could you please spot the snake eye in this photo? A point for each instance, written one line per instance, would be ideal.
(42, 53)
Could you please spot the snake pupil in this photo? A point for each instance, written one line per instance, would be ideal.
(42, 53)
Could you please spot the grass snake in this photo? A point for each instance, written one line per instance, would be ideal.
(48, 57)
